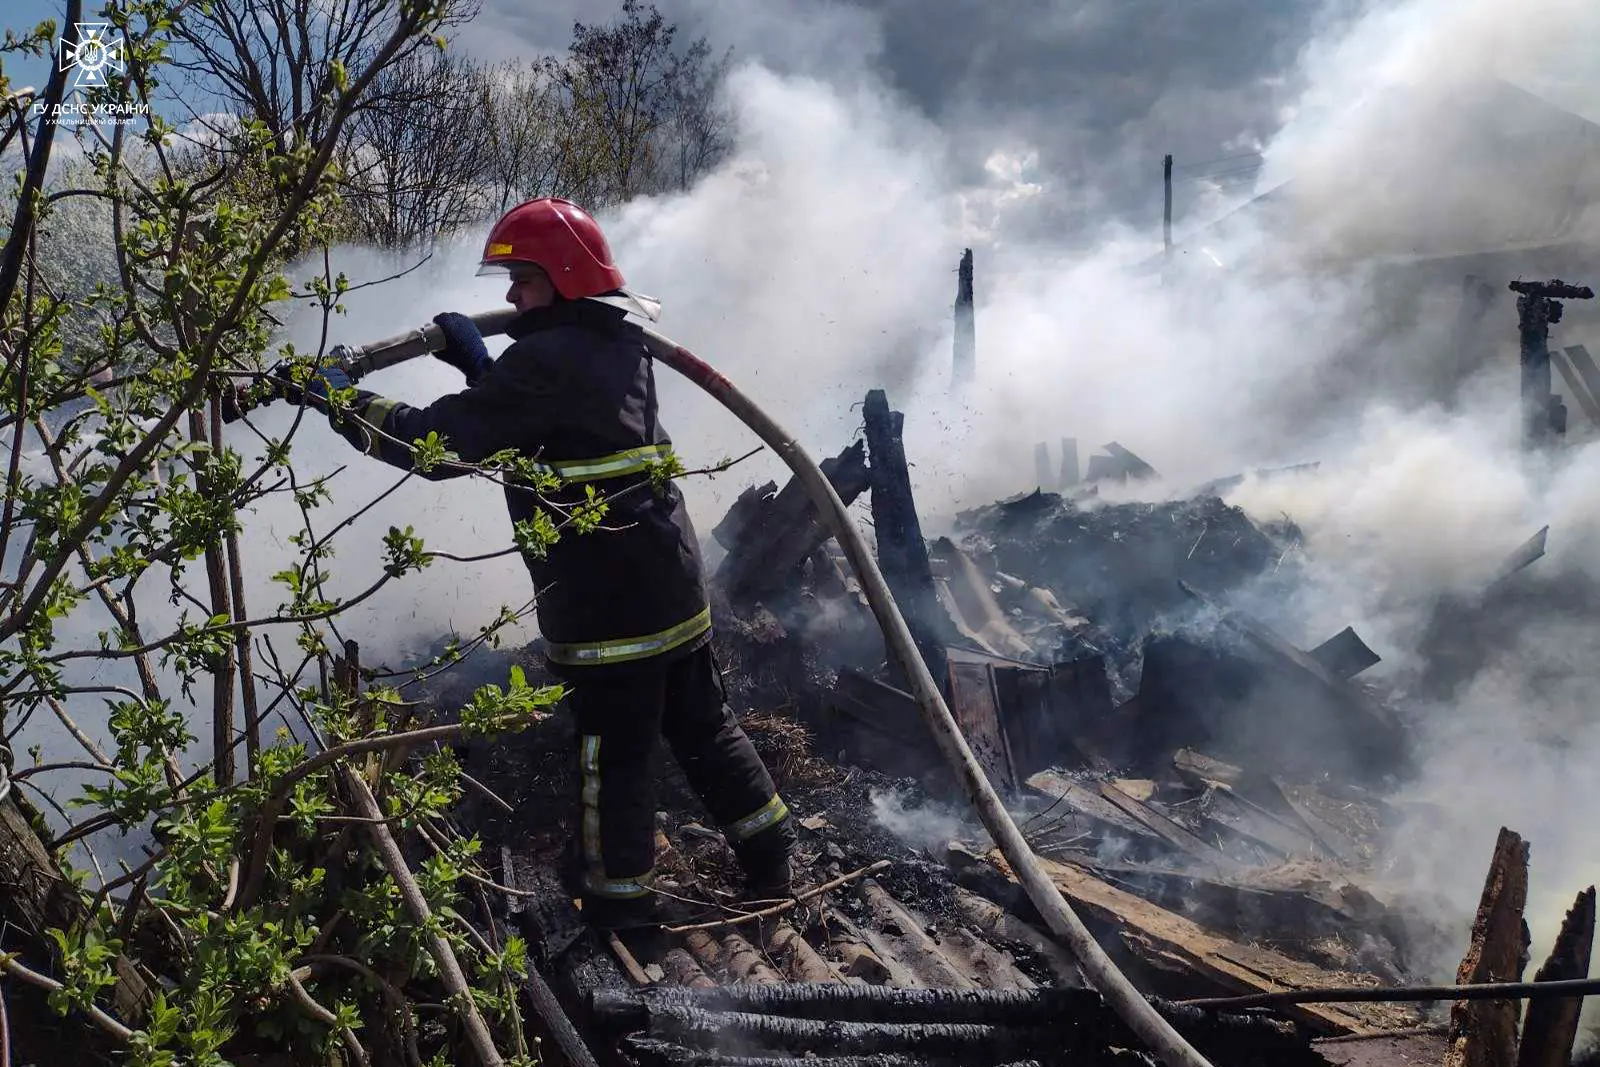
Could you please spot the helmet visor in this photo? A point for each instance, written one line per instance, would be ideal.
(517, 268)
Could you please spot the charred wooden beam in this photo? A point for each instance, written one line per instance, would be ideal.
(566, 961)
(1484, 1033)
(778, 533)
(746, 963)
(901, 935)
(1551, 1026)
(902, 552)
(653, 1052)
(774, 1033)
(879, 725)
(1157, 935)
(1000, 925)
(799, 961)
(1083, 1028)
(740, 519)
(681, 969)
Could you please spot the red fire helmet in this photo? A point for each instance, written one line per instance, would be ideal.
(567, 243)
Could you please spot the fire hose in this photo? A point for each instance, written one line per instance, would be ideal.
(1098, 969)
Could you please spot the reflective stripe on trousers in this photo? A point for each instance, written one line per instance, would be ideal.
(771, 813)
(594, 874)
(628, 649)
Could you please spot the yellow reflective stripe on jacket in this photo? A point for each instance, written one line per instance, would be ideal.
(627, 649)
(771, 813)
(374, 414)
(616, 465)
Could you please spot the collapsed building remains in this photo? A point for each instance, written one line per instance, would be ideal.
(1208, 795)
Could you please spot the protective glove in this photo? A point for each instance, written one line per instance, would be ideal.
(463, 346)
(325, 378)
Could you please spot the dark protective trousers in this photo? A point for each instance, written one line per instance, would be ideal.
(620, 713)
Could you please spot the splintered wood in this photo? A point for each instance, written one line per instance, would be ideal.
(1483, 1033)
(1551, 1026)
(1160, 936)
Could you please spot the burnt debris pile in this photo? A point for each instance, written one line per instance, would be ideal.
(1206, 793)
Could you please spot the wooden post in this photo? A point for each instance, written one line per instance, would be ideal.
(1544, 417)
(902, 552)
(1551, 1026)
(1166, 209)
(1483, 1033)
(1069, 463)
(965, 353)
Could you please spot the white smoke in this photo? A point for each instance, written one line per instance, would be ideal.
(819, 262)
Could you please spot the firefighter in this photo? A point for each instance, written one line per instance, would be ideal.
(623, 609)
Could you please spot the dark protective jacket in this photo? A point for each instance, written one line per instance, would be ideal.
(576, 393)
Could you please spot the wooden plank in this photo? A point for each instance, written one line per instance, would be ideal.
(1199, 850)
(1240, 818)
(1483, 1033)
(1155, 934)
(976, 602)
(778, 533)
(1100, 815)
(1551, 1026)
(1034, 725)
(902, 552)
(1201, 768)
(976, 707)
